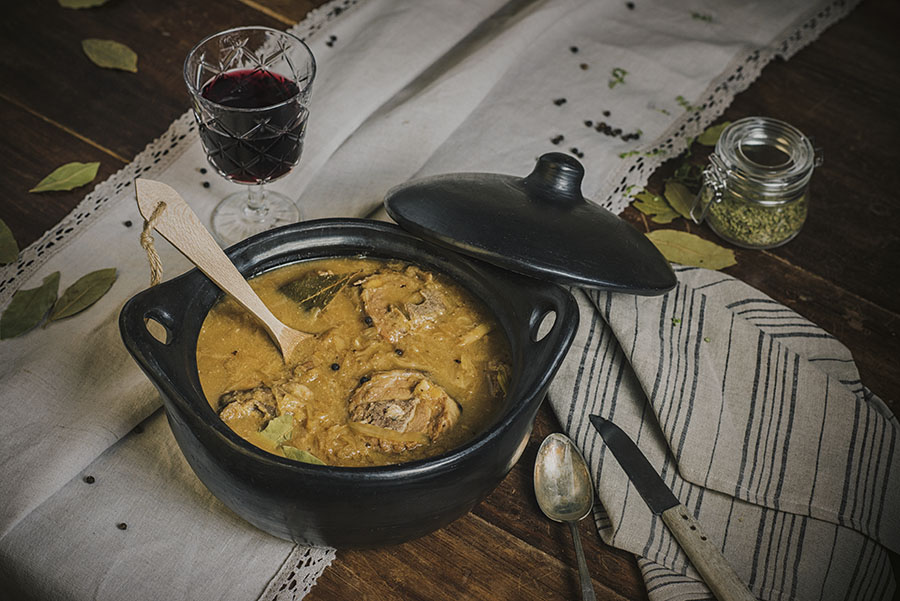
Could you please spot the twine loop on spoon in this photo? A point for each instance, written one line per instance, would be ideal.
(156, 270)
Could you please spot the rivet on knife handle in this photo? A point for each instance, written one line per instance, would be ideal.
(718, 574)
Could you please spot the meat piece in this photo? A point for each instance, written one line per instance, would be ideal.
(254, 407)
(431, 307)
(292, 397)
(400, 410)
(400, 302)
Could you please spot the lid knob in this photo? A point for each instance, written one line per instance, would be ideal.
(557, 178)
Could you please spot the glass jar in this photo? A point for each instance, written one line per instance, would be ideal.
(755, 191)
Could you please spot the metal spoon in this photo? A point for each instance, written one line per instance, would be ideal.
(178, 224)
(562, 485)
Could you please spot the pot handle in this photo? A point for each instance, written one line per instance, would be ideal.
(552, 325)
(152, 324)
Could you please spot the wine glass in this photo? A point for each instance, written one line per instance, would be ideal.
(250, 90)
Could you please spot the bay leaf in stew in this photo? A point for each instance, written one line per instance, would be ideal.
(315, 290)
(279, 429)
(301, 455)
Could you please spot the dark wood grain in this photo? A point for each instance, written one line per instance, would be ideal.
(287, 12)
(46, 73)
(513, 507)
(841, 91)
(28, 158)
(475, 560)
(841, 272)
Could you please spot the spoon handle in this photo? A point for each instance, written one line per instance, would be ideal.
(587, 587)
(180, 225)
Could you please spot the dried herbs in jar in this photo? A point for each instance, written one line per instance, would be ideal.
(755, 190)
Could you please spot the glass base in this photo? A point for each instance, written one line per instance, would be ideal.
(237, 217)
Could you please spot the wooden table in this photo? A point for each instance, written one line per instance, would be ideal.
(841, 272)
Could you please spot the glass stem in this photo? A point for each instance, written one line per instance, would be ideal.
(256, 200)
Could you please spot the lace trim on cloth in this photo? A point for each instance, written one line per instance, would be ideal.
(157, 155)
(298, 573)
(635, 171)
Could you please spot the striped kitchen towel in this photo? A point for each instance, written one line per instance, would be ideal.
(757, 420)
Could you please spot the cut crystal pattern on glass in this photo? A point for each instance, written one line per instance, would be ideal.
(250, 90)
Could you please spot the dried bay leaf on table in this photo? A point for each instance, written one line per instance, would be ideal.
(83, 293)
(110, 54)
(654, 207)
(679, 198)
(9, 249)
(301, 455)
(28, 307)
(315, 290)
(711, 134)
(688, 174)
(68, 177)
(690, 249)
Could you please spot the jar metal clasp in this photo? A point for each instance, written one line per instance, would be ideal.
(818, 153)
(714, 177)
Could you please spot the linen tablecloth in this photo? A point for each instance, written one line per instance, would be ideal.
(758, 422)
(97, 502)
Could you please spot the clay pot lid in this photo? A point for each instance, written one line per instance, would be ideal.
(539, 225)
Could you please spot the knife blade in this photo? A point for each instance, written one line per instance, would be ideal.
(718, 574)
(652, 489)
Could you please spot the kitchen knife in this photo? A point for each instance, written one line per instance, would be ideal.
(718, 574)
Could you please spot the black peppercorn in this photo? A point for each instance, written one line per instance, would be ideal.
(206, 184)
(335, 366)
(122, 526)
(89, 479)
(399, 352)
(368, 320)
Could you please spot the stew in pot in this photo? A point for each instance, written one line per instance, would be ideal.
(404, 364)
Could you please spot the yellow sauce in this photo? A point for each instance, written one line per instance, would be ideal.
(386, 318)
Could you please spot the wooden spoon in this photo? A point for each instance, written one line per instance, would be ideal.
(178, 224)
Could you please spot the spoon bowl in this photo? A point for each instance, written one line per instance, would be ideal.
(178, 224)
(562, 485)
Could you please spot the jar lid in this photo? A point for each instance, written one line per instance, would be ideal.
(766, 160)
(539, 225)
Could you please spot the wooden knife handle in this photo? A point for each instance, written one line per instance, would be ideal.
(718, 574)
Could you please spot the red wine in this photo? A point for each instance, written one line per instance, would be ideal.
(245, 140)
(249, 89)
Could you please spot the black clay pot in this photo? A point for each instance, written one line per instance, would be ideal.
(348, 506)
